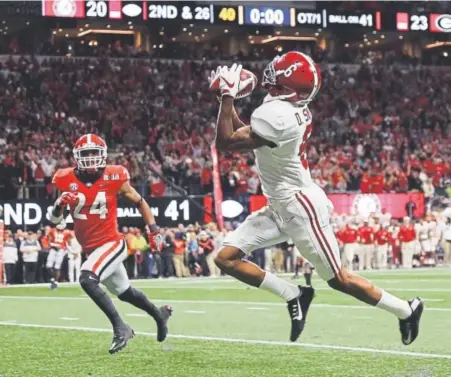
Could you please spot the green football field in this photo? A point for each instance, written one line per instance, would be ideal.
(222, 328)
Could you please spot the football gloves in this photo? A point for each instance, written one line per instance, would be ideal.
(156, 240)
(66, 198)
(227, 80)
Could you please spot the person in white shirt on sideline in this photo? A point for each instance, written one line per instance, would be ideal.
(30, 248)
(74, 255)
(446, 241)
(10, 257)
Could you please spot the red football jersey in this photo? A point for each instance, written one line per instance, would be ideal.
(349, 235)
(58, 238)
(95, 214)
(407, 233)
(366, 235)
(382, 237)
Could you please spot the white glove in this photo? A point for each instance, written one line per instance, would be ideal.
(227, 79)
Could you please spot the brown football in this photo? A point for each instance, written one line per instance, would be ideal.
(248, 82)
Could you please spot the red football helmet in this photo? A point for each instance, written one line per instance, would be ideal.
(293, 76)
(90, 152)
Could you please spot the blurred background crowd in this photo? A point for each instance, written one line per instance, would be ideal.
(377, 128)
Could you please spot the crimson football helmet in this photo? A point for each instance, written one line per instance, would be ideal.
(294, 77)
(90, 152)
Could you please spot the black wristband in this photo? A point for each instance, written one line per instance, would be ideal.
(138, 204)
(153, 228)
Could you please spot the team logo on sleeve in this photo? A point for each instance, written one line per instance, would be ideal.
(73, 187)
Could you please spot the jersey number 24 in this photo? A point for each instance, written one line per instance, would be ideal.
(98, 207)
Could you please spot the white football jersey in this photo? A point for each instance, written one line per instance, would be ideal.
(423, 231)
(283, 170)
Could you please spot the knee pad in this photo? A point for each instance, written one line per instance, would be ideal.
(88, 280)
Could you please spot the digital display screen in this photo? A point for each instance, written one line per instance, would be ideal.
(212, 13)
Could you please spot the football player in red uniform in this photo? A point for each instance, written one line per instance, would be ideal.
(58, 238)
(90, 191)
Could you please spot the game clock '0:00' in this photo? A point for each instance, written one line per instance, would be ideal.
(267, 16)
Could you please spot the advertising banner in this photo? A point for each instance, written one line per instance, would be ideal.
(364, 204)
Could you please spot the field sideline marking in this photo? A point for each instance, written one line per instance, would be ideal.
(247, 341)
(219, 302)
(440, 271)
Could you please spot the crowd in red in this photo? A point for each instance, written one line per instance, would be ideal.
(376, 128)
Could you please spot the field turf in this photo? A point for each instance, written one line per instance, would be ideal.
(222, 328)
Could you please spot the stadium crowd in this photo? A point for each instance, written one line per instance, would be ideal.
(377, 127)
(377, 242)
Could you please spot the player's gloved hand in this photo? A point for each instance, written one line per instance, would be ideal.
(66, 198)
(227, 80)
(156, 240)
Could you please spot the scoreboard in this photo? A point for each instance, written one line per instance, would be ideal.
(139, 10)
(199, 13)
(213, 13)
(423, 22)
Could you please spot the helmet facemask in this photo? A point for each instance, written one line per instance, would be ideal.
(269, 74)
(90, 157)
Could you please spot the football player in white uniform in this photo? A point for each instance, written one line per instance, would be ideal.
(297, 207)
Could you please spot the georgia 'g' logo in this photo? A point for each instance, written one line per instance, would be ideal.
(365, 204)
(64, 8)
(443, 23)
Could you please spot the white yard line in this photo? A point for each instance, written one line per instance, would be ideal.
(68, 319)
(249, 341)
(254, 308)
(195, 311)
(211, 302)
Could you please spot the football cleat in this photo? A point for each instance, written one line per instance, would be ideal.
(410, 327)
(162, 322)
(120, 339)
(53, 285)
(298, 308)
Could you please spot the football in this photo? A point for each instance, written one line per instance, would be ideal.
(248, 82)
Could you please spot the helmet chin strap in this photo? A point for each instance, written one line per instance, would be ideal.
(284, 97)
